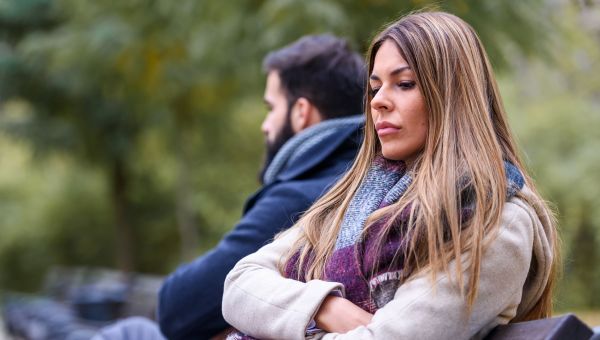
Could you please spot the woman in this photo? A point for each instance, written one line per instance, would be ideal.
(435, 232)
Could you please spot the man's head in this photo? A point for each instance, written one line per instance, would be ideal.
(315, 78)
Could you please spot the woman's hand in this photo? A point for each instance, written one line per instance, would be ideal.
(338, 315)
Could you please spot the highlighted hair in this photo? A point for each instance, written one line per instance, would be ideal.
(468, 138)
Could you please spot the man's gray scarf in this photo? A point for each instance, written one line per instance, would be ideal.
(304, 141)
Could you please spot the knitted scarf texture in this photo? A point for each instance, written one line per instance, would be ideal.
(371, 274)
(304, 141)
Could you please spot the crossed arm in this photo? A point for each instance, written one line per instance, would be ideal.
(260, 302)
(338, 315)
(190, 298)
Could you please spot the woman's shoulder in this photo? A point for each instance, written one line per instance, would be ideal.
(527, 218)
(526, 215)
(528, 208)
(511, 243)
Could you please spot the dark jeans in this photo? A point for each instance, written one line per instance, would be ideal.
(134, 328)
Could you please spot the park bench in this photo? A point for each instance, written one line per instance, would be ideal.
(567, 327)
(76, 301)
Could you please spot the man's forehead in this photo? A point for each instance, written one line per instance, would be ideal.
(272, 87)
(273, 79)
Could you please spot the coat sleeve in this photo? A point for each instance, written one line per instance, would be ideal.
(190, 298)
(421, 310)
(260, 302)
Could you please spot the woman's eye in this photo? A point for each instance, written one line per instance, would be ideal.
(406, 85)
(374, 91)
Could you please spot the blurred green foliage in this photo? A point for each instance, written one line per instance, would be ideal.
(555, 110)
(130, 130)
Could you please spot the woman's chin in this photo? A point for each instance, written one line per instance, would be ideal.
(391, 155)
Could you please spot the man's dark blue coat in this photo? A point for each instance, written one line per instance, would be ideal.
(190, 298)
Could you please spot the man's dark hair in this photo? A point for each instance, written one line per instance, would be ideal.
(324, 70)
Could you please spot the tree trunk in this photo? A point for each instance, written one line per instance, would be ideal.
(585, 256)
(123, 229)
(186, 223)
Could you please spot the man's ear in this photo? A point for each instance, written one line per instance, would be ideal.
(304, 114)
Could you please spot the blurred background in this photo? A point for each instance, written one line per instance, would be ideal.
(130, 130)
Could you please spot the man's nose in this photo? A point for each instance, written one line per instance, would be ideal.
(264, 127)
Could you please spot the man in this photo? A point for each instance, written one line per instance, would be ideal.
(314, 95)
(311, 85)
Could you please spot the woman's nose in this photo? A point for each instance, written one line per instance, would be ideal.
(381, 102)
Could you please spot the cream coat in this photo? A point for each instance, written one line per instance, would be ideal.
(260, 302)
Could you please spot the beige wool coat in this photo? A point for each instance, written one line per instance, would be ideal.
(515, 268)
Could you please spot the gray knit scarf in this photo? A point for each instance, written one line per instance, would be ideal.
(304, 141)
(370, 274)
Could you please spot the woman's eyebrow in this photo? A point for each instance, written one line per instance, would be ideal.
(393, 73)
(399, 70)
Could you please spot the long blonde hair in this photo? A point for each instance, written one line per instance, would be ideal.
(468, 138)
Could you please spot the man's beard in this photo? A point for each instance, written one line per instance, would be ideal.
(272, 148)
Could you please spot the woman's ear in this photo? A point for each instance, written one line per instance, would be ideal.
(304, 114)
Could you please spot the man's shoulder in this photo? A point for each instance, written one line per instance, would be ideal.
(302, 191)
(307, 187)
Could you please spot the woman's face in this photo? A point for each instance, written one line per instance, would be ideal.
(397, 108)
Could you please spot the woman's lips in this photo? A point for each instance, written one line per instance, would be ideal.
(386, 128)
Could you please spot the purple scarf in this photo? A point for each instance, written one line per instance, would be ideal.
(370, 275)
(372, 272)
